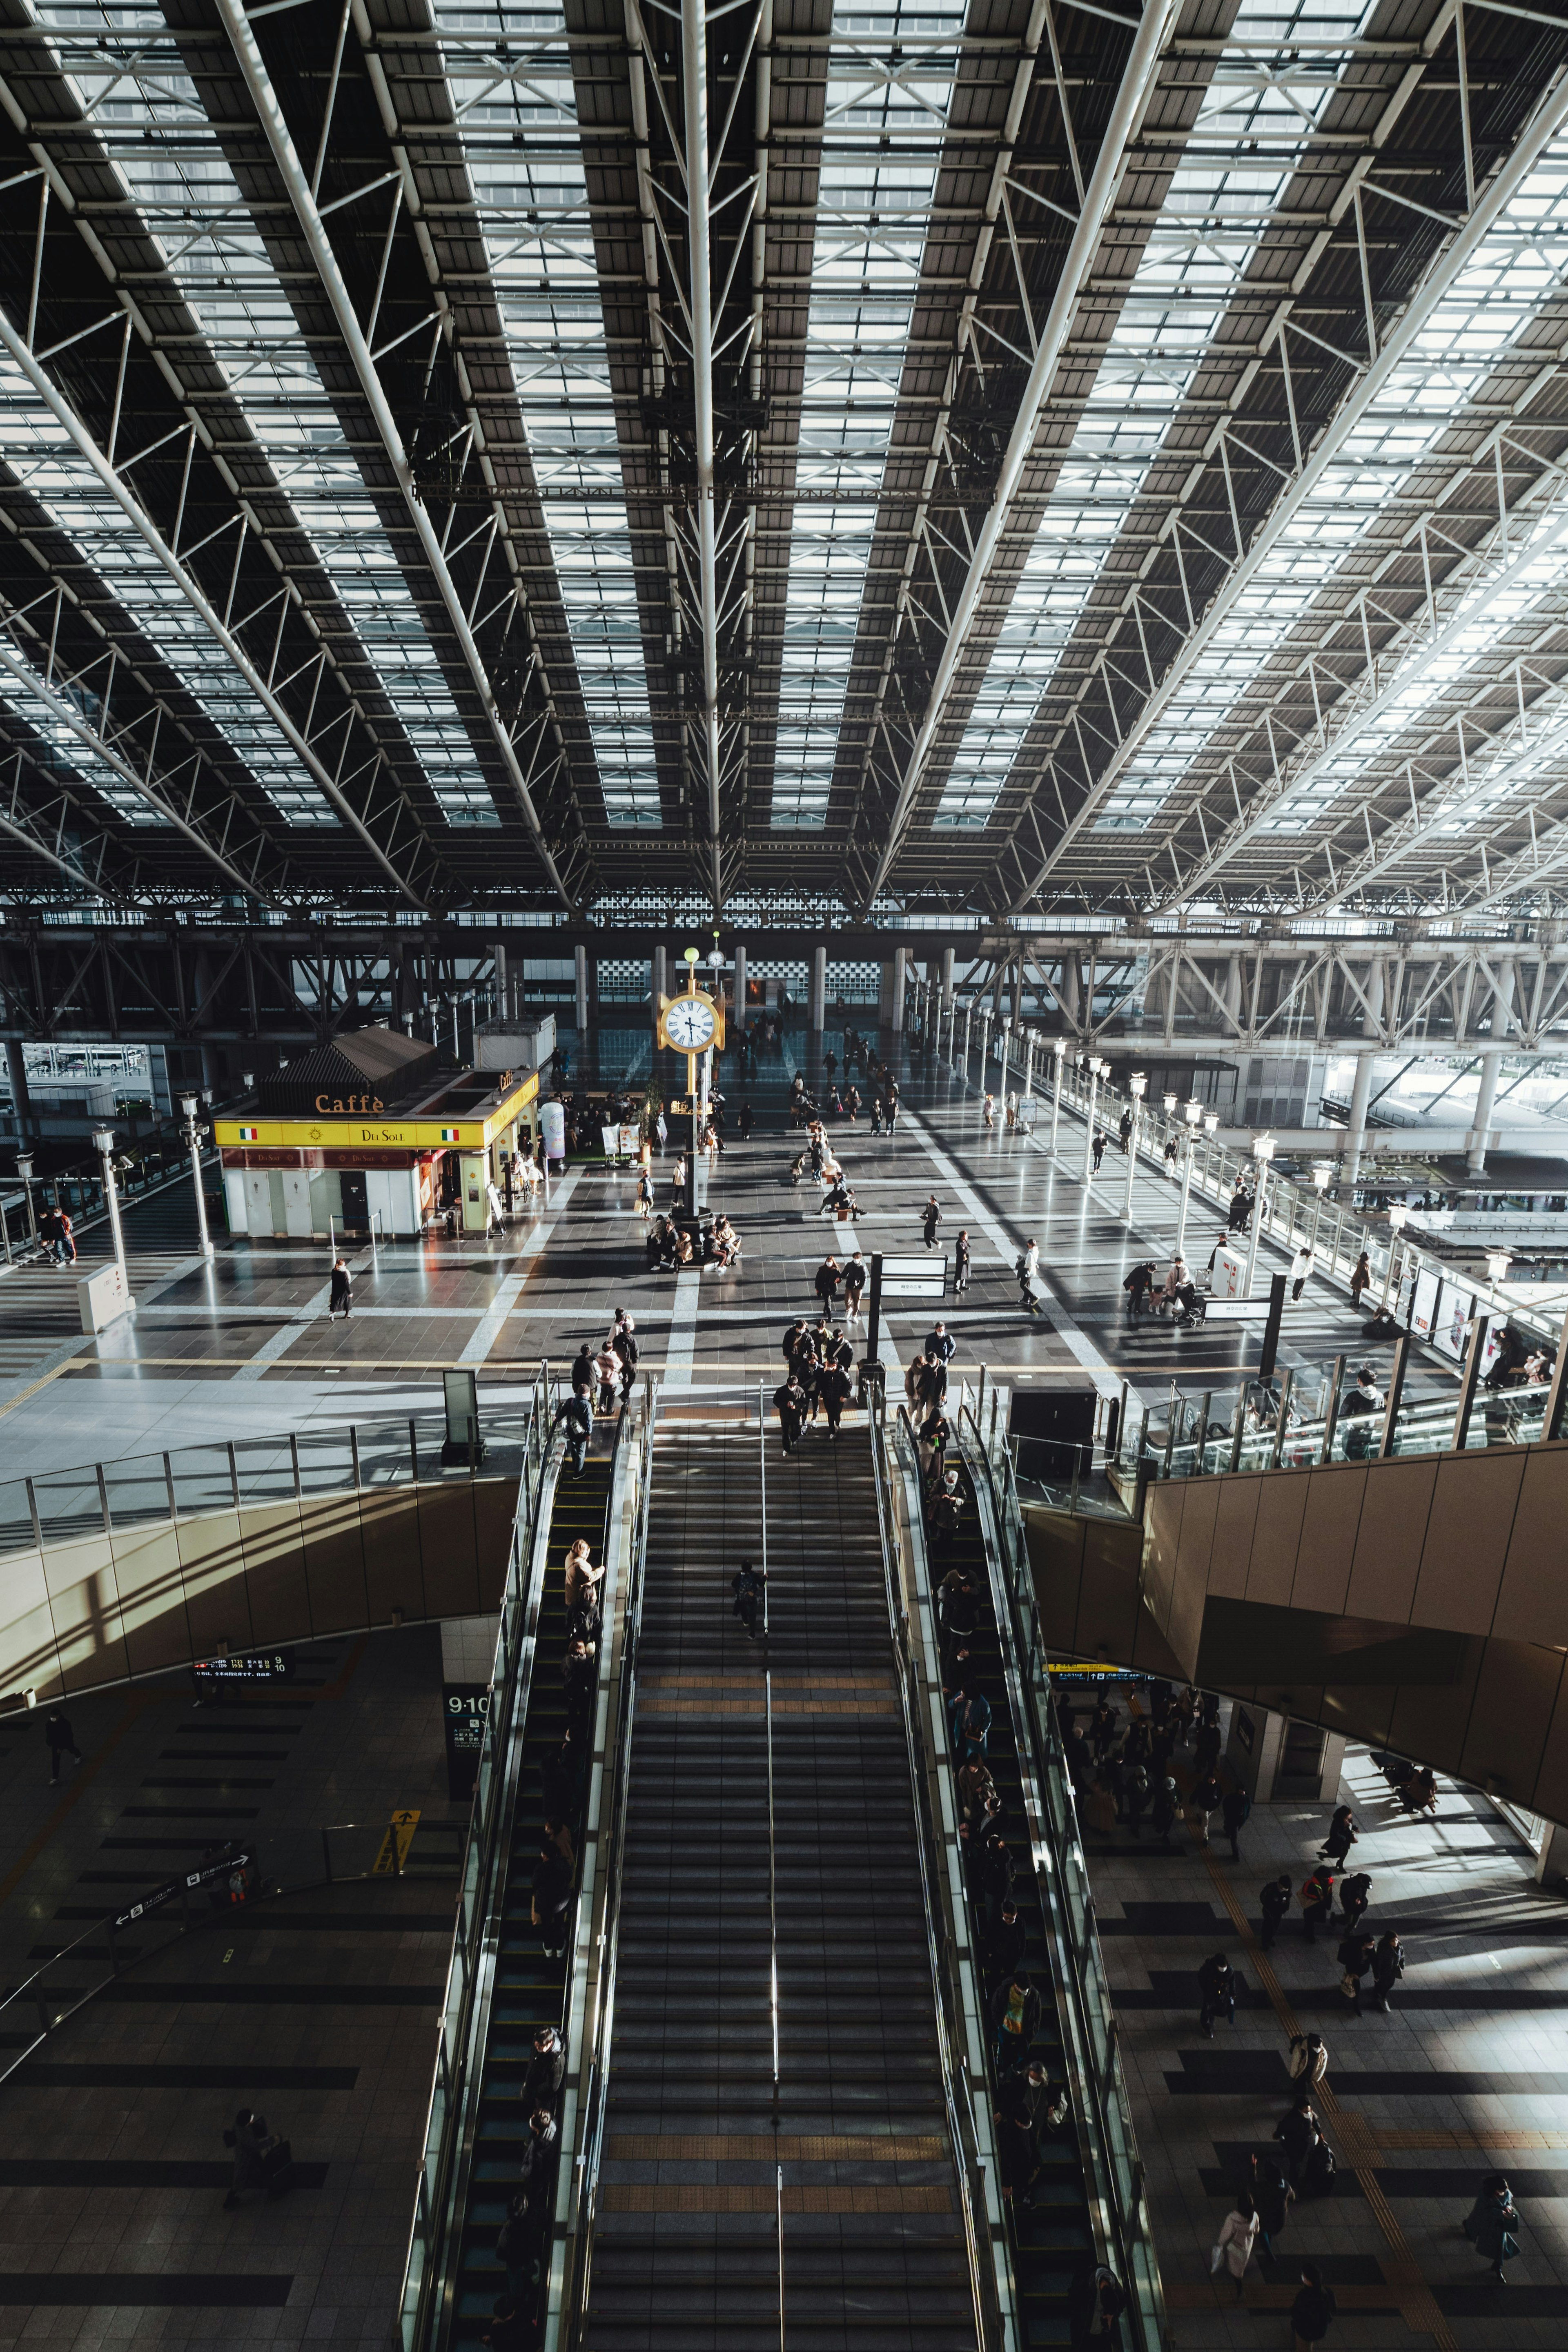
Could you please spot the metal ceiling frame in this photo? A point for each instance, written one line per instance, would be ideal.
(1394, 348)
(286, 158)
(1144, 61)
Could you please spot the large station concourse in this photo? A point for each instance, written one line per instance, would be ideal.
(783, 1174)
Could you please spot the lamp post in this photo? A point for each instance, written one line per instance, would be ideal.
(966, 1038)
(1321, 1172)
(1007, 1041)
(1029, 1064)
(1263, 1152)
(1193, 1114)
(1059, 1048)
(1211, 1129)
(985, 1051)
(25, 1171)
(1137, 1087)
(1171, 1101)
(1397, 1216)
(1088, 1123)
(103, 1138)
(193, 1146)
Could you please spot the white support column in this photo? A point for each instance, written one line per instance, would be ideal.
(1485, 1096)
(660, 982)
(579, 960)
(948, 959)
(900, 978)
(740, 984)
(1355, 1139)
(816, 1014)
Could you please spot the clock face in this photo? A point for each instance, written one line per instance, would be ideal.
(688, 1023)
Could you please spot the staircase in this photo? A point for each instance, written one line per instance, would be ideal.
(38, 1310)
(754, 2197)
(530, 1989)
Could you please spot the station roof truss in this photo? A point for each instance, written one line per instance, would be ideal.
(1006, 463)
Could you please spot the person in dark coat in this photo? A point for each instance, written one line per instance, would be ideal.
(552, 1898)
(1387, 1968)
(1275, 1900)
(1008, 1947)
(341, 1297)
(1312, 2312)
(1342, 1835)
(1216, 1983)
(1273, 2197)
(790, 1403)
(1235, 1806)
(1298, 2135)
(828, 1279)
(1317, 1901)
(1096, 2302)
(1355, 1957)
(1016, 2013)
(576, 1417)
(250, 2140)
(748, 1586)
(536, 2158)
(1355, 1894)
(546, 2070)
(1491, 2225)
(60, 1740)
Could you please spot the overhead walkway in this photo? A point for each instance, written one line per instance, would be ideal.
(772, 2164)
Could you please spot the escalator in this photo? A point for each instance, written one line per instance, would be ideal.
(1051, 2237)
(528, 1990)
(775, 2172)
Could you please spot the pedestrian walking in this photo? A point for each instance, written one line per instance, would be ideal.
(1355, 1957)
(1343, 1834)
(1300, 1269)
(575, 1415)
(1312, 2312)
(551, 1901)
(826, 1282)
(546, 2070)
(1298, 2135)
(1387, 1968)
(1240, 1207)
(1016, 2012)
(1235, 1806)
(1098, 1152)
(1233, 2247)
(1361, 1275)
(988, 1110)
(1492, 2225)
(961, 1260)
(1317, 1901)
(1162, 1812)
(1273, 2197)
(340, 1290)
(1137, 1286)
(1095, 2305)
(1275, 1902)
(60, 1740)
(1027, 1270)
(931, 1217)
(1308, 2061)
(790, 1402)
(854, 1286)
(946, 1511)
(1355, 1893)
(250, 2141)
(1216, 1984)
(1206, 1796)
(748, 1585)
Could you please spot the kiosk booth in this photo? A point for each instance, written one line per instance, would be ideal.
(369, 1135)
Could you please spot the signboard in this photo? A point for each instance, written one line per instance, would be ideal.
(103, 1297)
(1028, 1110)
(236, 1868)
(552, 1129)
(914, 1278)
(465, 1709)
(1089, 1670)
(394, 1845)
(1229, 1271)
(1451, 1321)
(253, 1666)
(345, 1132)
(1423, 1304)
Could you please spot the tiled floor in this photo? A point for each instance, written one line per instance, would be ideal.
(1466, 2075)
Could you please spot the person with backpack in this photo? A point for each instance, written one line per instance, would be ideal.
(1298, 2135)
(1275, 1902)
(1216, 1983)
(1317, 1900)
(576, 1417)
(1234, 1809)
(1233, 2247)
(748, 1585)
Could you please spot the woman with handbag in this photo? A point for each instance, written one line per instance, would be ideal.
(1233, 2247)
(1491, 2223)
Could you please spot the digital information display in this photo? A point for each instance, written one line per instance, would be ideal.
(465, 1708)
(250, 1666)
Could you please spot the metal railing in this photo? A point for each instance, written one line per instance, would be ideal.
(452, 2119)
(955, 1997)
(107, 1498)
(1107, 2138)
(571, 2269)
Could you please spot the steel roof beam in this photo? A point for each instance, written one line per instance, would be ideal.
(270, 113)
(694, 80)
(1394, 353)
(1137, 86)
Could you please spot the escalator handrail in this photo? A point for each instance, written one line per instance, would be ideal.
(433, 2261)
(1100, 2089)
(992, 2323)
(571, 2278)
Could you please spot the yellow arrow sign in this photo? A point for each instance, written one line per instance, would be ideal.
(398, 1839)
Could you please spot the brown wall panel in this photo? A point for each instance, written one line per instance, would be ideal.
(1430, 1723)
(1468, 1540)
(1276, 1534)
(1235, 1522)
(151, 1598)
(274, 1571)
(1395, 1512)
(447, 1542)
(1195, 1554)
(394, 1565)
(84, 1608)
(212, 1566)
(495, 1507)
(1163, 1507)
(334, 1563)
(31, 1661)
(1510, 1715)
(1056, 1562)
(1326, 1544)
(1551, 1792)
(1531, 1603)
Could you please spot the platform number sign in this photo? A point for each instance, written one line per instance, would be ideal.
(465, 1706)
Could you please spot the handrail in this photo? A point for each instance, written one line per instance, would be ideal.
(995, 2325)
(428, 2300)
(773, 1859)
(1111, 2144)
(572, 2266)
